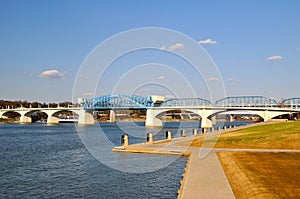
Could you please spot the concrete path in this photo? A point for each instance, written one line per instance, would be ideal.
(205, 178)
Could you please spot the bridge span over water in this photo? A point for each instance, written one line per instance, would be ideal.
(84, 117)
(266, 108)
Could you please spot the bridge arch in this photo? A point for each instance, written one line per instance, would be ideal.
(266, 115)
(55, 115)
(205, 115)
(10, 114)
(116, 101)
(34, 115)
(291, 102)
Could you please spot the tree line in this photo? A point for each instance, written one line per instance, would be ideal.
(4, 104)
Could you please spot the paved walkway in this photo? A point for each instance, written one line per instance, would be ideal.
(203, 178)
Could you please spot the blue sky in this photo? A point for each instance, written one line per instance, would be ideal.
(254, 44)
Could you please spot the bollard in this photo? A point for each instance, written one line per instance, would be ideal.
(212, 129)
(224, 127)
(195, 131)
(219, 128)
(204, 130)
(149, 138)
(182, 133)
(124, 140)
(168, 135)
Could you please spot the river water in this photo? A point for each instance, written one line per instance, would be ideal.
(51, 161)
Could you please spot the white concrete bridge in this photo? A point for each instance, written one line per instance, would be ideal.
(207, 113)
(155, 106)
(84, 117)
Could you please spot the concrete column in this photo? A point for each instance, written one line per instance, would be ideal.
(112, 116)
(213, 120)
(52, 120)
(195, 131)
(85, 118)
(231, 118)
(183, 133)
(206, 123)
(25, 119)
(149, 138)
(151, 120)
(168, 135)
(124, 140)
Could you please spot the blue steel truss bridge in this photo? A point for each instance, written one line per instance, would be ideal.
(265, 107)
(120, 101)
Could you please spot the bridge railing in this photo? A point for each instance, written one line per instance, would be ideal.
(142, 102)
(293, 103)
(116, 101)
(246, 101)
(186, 102)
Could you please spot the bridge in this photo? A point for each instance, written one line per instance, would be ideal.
(265, 107)
(155, 106)
(84, 117)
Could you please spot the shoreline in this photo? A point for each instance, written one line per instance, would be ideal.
(216, 183)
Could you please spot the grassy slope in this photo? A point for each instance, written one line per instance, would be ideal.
(284, 135)
(262, 175)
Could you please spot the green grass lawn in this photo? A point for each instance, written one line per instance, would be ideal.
(283, 135)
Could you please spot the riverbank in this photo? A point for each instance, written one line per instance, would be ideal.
(211, 176)
(8, 120)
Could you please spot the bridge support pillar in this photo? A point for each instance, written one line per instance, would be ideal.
(230, 117)
(213, 120)
(85, 118)
(25, 119)
(206, 123)
(52, 120)
(151, 120)
(112, 116)
(267, 116)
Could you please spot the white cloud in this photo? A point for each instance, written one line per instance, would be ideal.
(177, 46)
(161, 77)
(213, 79)
(51, 74)
(275, 57)
(174, 47)
(207, 41)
